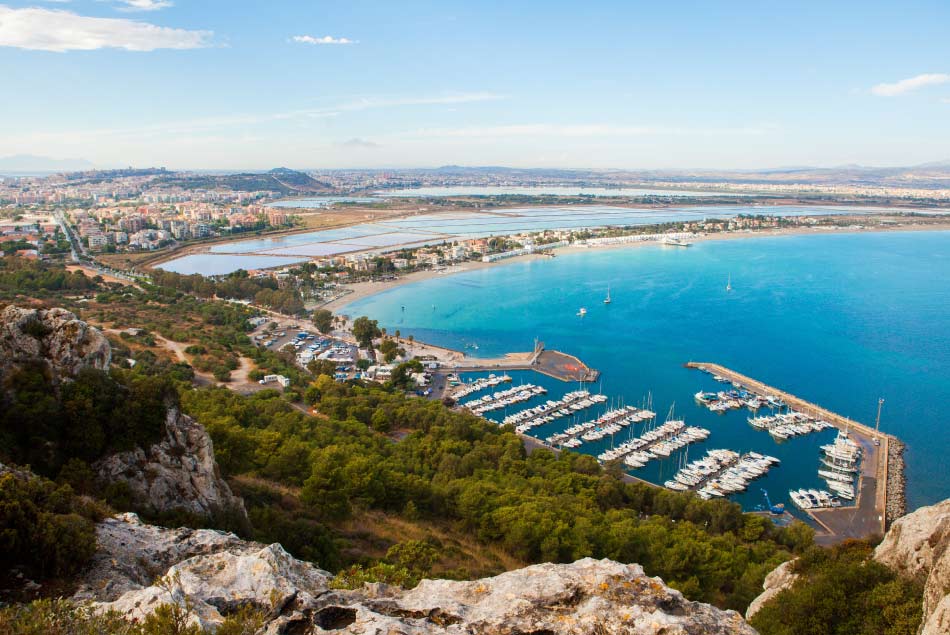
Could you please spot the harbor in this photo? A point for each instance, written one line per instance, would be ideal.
(867, 514)
(638, 349)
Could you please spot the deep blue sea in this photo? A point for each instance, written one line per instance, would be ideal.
(840, 320)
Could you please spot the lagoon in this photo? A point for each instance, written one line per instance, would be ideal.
(441, 227)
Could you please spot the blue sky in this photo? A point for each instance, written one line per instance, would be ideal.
(307, 84)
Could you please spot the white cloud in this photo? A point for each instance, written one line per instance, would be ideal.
(54, 30)
(909, 84)
(359, 143)
(144, 5)
(326, 39)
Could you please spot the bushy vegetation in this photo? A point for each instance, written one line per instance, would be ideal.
(46, 426)
(842, 591)
(19, 275)
(454, 467)
(45, 530)
(237, 285)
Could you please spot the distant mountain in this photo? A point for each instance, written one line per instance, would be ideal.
(935, 164)
(28, 163)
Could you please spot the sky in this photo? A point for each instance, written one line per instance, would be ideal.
(728, 84)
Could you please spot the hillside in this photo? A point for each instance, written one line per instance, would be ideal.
(280, 180)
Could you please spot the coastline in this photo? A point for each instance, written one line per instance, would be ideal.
(361, 290)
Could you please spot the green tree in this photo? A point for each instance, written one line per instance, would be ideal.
(365, 331)
(323, 320)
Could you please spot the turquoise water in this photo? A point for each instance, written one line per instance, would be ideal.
(839, 320)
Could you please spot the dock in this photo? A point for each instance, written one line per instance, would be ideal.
(566, 368)
(870, 513)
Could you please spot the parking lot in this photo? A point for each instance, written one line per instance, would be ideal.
(308, 344)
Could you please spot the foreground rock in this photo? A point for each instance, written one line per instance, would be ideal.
(218, 573)
(54, 337)
(780, 579)
(178, 473)
(918, 546)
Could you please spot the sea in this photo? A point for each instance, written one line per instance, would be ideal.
(838, 319)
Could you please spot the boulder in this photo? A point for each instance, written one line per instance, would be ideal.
(55, 337)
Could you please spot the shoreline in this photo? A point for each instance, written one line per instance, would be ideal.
(205, 245)
(362, 290)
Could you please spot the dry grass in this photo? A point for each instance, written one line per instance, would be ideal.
(371, 533)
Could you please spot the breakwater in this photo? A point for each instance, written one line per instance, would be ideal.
(895, 504)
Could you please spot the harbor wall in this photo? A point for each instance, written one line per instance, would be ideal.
(896, 504)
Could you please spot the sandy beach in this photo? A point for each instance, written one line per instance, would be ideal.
(360, 290)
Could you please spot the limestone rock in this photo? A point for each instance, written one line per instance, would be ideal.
(781, 578)
(217, 573)
(177, 473)
(918, 546)
(55, 336)
(130, 555)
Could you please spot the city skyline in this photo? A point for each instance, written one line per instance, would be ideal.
(217, 85)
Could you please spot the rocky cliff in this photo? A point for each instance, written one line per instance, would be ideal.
(218, 573)
(918, 546)
(177, 473)
(55, 337)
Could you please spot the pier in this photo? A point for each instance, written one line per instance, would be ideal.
(566, 368)
(877, 496)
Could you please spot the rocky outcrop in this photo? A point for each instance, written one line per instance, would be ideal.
(218, 573)
(55, 337)
(918, 546)
(780, 579)
(177, 473)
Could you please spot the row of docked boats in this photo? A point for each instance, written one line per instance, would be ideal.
(698, 471)
(505, 398)
(806, 499)
(665, 430)
(735, 399)
(477, 385)
(569, 404)
(611, 422)
(787, 425)
(736, 477)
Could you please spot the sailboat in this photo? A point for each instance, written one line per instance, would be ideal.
(729, 283)
(607, 299)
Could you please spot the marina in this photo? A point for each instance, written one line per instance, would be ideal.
(867, 515)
